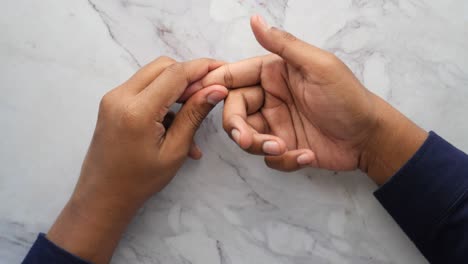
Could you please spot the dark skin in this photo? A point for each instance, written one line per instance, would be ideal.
(132, 154)
(310, 110)
(299, 107)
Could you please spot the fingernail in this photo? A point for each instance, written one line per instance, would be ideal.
(214, 98)
(262, 21)
(235, 135)
(271, 147)
(304, 159)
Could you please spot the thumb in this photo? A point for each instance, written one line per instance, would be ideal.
(293, 50)
(179, 136)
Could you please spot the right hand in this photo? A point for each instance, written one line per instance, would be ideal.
(300, 106)
(302, 99)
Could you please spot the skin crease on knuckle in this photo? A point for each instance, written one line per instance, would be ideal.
(228, 77)
(286, 35)
(160, 113)
(195, 118)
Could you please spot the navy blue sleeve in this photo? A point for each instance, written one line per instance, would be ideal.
(44, 251)
(428, 198)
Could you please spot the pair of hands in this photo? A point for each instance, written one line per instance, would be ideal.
(299, 106)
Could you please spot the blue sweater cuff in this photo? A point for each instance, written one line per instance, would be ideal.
(425, 191)
(44, 251)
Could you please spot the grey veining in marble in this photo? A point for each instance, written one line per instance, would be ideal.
(58, 57)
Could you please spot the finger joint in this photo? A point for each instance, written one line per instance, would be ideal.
(228, 77)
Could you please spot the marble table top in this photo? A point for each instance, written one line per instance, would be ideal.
(58, 57)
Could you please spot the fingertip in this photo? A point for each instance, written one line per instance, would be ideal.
(273, 147)
(242, 139)
(198, 156)
(235, 134)
(253, 22)
(280, 145)
(283, 146)
(260, 30)
(237, 137)
(195, 152)
(195, 157)
(257, 21)
(306, 158)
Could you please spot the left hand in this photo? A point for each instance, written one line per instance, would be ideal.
(134, 153)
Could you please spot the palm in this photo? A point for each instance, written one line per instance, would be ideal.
(303, 110)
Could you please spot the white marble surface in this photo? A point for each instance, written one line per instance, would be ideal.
(58, 57)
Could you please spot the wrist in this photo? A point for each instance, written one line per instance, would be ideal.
(90, 227)
(394, 140)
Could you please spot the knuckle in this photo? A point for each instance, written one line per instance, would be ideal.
(176, 68)
(228, 77)
(108, 104)
(283, 34)
(330, 61)
(159, 130)
(286, 39)
(161, 112)
(288, 36)
(107, 101)
(194, 118)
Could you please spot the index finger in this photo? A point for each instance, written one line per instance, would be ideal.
(233, 75)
